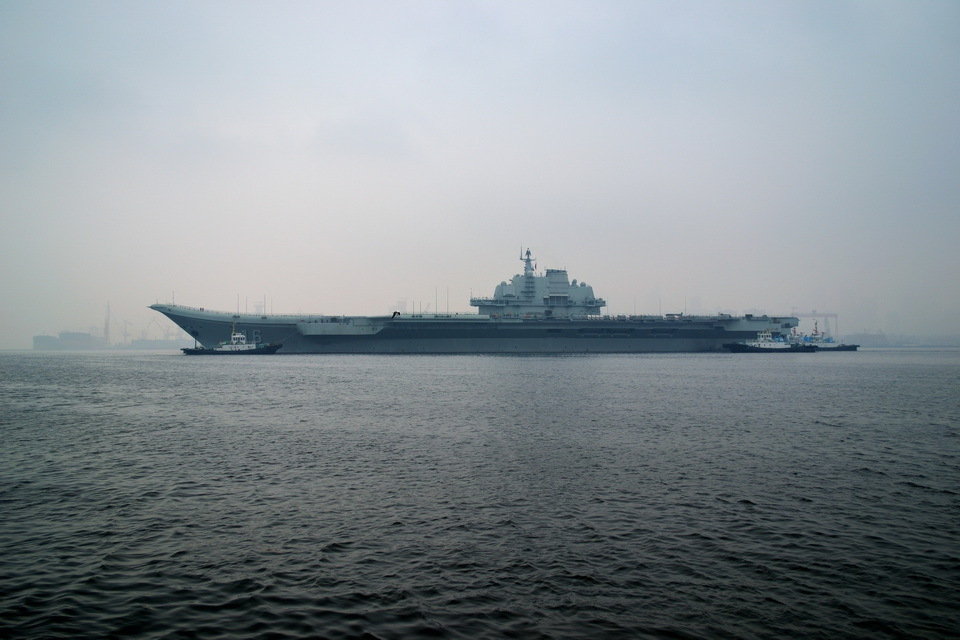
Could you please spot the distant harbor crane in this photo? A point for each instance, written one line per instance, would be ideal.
(826, 320)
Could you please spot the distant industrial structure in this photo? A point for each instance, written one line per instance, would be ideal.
(90, 341)
(80, 341)
(826, 317)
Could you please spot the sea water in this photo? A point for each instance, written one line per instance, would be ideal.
(154, 495)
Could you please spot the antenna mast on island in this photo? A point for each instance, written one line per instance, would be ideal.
(527, 263)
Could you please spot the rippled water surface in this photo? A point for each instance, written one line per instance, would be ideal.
(689, 496)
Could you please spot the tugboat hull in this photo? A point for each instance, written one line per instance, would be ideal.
(739, 347)
(838, 347)
(261, 350)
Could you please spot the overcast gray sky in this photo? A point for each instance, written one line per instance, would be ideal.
(336, 157)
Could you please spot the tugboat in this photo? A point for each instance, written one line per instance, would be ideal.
(237, 346)
(823, 342)
(766, 343)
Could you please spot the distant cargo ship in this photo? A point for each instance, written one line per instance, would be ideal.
(533, 313)
(69, 341)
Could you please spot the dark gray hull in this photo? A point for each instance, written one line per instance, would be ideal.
(838, 347)
(266, 349)
(529, 345)
(739, 347)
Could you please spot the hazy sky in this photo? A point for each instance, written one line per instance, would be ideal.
(336, 157)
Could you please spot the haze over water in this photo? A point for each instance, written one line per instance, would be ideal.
(693, 496)
(355, 157)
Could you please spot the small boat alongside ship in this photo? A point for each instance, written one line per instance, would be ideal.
(236, 346)
(823, 342)
(766, 342)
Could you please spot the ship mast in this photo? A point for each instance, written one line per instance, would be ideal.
(527, 263)
(529, 280)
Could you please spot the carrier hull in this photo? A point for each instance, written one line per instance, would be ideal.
(533, 313)
(466, 334)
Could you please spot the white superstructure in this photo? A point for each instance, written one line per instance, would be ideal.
(529, 295)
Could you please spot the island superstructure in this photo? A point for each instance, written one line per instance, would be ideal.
(532, 313)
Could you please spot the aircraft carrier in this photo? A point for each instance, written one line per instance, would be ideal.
(532, 313)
